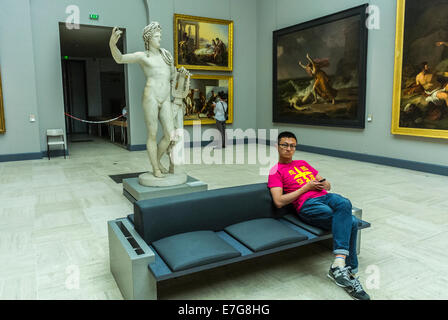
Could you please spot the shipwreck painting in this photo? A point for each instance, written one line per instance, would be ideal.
(203, 43)
(420, 102)
(320, 70)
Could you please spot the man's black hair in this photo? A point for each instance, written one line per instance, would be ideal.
(222, 95)
(286, 134)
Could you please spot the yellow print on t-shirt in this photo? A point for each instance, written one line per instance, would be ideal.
(300, 176)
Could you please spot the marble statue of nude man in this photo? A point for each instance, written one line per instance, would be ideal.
(158, 67)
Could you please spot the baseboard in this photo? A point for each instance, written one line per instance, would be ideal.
(20, 156)
(136, 147)
(54, 153)
(190, 144)
(392, 162)
(32, 155)
(142, 147)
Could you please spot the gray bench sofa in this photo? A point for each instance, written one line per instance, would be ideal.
(171, 237)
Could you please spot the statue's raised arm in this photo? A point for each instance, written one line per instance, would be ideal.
(116, 53)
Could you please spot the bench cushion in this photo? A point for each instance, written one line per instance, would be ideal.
(167, 216)
(293, 218)
(192, 249)
(264, 233)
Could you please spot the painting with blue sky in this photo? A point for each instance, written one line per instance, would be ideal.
(203, 43)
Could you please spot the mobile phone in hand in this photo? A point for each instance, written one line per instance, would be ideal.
(322, 180)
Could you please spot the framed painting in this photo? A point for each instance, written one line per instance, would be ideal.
(319, 71)
(203, 43)
(2, 112)
(420, 98)
(204, 90)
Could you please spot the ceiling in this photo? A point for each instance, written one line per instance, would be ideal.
(87, 41)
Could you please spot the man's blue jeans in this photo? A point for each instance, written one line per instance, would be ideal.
(334, 212)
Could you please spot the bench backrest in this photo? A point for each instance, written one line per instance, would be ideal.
(209, 210)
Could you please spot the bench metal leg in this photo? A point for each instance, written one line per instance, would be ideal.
(48, 149)
(129, 257)
(358, 214)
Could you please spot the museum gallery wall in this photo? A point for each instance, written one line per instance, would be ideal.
(2, 113)
(420, 97)
(319, 71)
(205, 44)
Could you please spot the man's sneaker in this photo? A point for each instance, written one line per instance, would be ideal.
(340, 276)
(356, 291)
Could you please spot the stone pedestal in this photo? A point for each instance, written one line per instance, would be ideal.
(148, 180)
(134, 191)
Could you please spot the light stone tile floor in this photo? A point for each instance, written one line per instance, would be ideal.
(53, 230)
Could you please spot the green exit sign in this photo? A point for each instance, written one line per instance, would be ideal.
(94, 16)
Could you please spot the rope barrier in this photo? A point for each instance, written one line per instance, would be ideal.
(87, 121)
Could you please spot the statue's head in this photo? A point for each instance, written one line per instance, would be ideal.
(151, 30)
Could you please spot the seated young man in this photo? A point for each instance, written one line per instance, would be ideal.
(297, 182)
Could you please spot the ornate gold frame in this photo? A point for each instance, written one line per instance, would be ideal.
(395, 128)
(229, 100)
(2, 113)
(178, 17)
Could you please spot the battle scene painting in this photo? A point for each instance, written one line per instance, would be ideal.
(420, 104)
(320, 69)
(203, 43)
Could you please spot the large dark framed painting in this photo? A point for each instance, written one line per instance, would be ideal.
(420, 99)
(319, 71)
(203, 43)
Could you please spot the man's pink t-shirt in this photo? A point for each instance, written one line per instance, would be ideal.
(291, 177)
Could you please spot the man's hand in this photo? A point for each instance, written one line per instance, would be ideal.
(116, 35)
(281, 199)
(313, 185)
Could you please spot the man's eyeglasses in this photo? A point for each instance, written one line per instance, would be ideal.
(285, 146)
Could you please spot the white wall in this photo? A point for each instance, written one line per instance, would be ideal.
(17, 68)
(45, 16)
(244, 16)
(31, 26)
(31, 69)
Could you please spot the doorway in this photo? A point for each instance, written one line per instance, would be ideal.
(75, 96)
(94, 87)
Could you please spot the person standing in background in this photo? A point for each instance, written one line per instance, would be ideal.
(220, 109)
